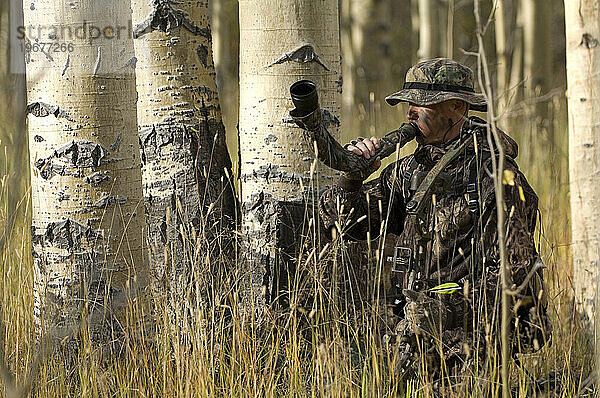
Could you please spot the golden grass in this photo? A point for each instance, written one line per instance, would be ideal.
(326, 345)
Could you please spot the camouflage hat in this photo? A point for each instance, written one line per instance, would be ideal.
(437, 80)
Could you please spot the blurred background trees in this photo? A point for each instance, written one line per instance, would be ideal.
(390, 30)
(377, 49)
(382, 38)
(12, 111)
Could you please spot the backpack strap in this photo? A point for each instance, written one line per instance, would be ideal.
(473, 187)
(420, 199)
(407, 177)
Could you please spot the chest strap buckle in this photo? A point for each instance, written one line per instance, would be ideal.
(402, 259)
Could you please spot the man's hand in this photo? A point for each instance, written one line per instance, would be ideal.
(365, 148)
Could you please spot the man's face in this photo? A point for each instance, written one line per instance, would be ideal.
(433, 120)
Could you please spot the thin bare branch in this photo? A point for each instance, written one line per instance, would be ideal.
(497, 171)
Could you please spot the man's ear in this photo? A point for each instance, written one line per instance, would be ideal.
(460, 106)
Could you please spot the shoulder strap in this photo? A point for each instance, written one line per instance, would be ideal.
(416, 205)
(407, 176)
(473, 187)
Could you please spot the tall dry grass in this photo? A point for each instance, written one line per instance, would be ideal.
(327, 344)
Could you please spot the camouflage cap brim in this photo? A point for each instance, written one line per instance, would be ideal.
(422, 97)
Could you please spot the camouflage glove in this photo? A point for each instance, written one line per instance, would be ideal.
(356, 177)
(311, 122)
(426, 315)
(354, 142)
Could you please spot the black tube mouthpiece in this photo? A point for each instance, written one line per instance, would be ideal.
(304, 97)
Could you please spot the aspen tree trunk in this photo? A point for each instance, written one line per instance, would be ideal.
(185, 163)
(414, 18)
(537, 68)
(429, 30)
(4, 48)
(281, 41)
(501, 56)
(441, 8)
(582, 22)
(450, 30)
(88, 218)
(516, 62)
(377, 53)
(226, 49)
(350, 107)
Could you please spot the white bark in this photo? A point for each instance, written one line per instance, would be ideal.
(501, 56)
(429, 30)
(281, 41)
(582, 22)
(182, 137)
(450, 30)
(88, 219)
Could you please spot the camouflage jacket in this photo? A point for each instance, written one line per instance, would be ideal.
(461, 224)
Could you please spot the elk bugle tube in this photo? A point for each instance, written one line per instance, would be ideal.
(308, 116)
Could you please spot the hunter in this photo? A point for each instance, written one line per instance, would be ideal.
(439, 205)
